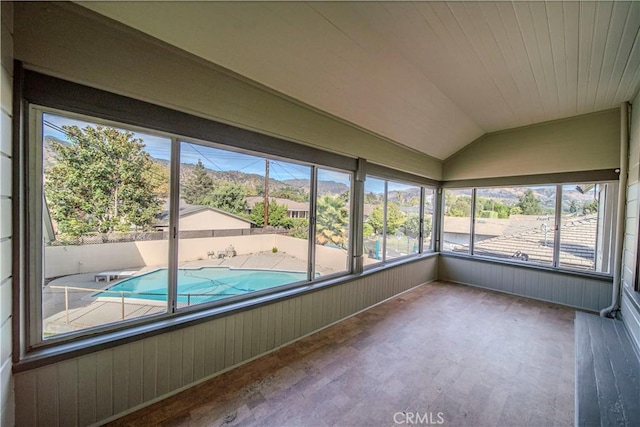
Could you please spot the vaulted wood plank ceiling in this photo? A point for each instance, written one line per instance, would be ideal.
(433, 76)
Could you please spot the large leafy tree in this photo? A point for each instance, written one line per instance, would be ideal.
(277, 215)
(530, 204)
(395, 218)
(332, 221)
(227, 196)
(459, 206)
(101, 182)
(412, 225)
(491, 208)
(158, 175)
(201, 189)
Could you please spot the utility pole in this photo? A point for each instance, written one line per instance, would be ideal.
(266, 194)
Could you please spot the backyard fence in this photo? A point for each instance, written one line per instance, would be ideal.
(102, 238)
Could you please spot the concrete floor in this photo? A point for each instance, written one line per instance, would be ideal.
(463, 355)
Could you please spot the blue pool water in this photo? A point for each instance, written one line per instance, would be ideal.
(204, 284)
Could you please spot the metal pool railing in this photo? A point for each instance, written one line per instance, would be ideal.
(122, 294)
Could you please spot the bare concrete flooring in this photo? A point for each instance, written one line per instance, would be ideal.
(441, 353)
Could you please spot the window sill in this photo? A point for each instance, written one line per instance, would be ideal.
(58, 352)
(372, 268)
(521, 264)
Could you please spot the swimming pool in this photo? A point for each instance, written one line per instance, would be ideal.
(205, 284)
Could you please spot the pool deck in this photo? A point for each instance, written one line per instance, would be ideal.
(85, 310)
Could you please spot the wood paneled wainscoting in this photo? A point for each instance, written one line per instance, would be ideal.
(101, 386)
(440, 352)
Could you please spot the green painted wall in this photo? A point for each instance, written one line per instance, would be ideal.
(582, 143)
(73, 43)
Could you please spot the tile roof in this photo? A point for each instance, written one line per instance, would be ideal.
(577, 242)
(290, 204)
(162, 219)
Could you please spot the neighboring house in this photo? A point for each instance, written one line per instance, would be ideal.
(197, 217)
(294, 209)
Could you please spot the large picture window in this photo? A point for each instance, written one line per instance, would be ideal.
(137, 224)
(456, 223)
(333, 219)
(243, 224)
(104, 187)
(586, 224)
(516, 223)
(568, 226)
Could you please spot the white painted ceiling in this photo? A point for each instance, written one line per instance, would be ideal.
(432, 76)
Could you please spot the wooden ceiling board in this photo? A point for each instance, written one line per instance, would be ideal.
(624, 49)
(432, 76)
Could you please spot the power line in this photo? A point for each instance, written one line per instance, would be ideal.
(89, 142)
(206, 158)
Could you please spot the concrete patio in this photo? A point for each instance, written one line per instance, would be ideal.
(82, 309)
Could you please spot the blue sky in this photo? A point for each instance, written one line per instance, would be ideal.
(213, 158)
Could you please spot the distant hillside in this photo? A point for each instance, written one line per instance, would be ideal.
(49, 155)
(255, 183)
(511, 195)
(324, 187)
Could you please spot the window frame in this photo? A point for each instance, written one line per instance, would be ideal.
(421, 250)
(73, 100)
(597, 178)
(34, 172)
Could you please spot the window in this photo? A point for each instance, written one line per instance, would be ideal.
(585, 231)
(103, 189)
(516, 223)
(568, 226)
(137, 216)
(456, 225)
(428, 223)
(333, 218)
(228, 246)
(392, 220)
(374, 220)
(135, 225)
(402, 219)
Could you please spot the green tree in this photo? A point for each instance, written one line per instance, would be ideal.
(290, 193)
(372, 198)
(199, 186)
(101, 182)
(573, 207)
(332, 221)
(591, 207)
(491, 208)
(529, 204)
(459, 206)
(412, 225)
(227, 196)
(395, 218)
(375, 220)
(367, 230)
(516, 210)
(300, 228)
(158, 175)
(428, 226)
(277, 215)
